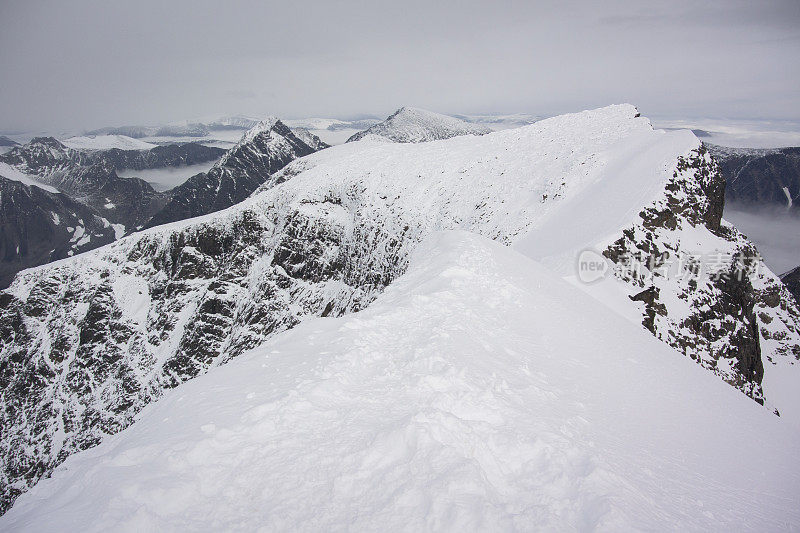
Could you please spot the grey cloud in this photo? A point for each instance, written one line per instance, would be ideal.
(87, 64)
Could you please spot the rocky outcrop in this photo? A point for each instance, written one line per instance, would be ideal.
(38, 226)
(710, 307)
(792, 281)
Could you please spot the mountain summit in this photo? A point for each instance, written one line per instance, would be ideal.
(265, 148)
(412, 125)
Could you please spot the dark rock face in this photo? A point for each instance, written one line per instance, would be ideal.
(91, 191)
(792, 281)
(5, 141)
(753, 176)
(89, 178)
(721, 324)
(310, 139)
(172, 155)
(209, 292)
(236, 176)
(37, 226)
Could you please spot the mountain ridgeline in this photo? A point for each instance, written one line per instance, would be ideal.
(760, 177)
(263, 150)
(87, 343)
(98, 205)
(412, 125)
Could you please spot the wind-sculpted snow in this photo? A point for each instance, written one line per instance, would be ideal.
(480, 392)
(411, 125)
(88, 342)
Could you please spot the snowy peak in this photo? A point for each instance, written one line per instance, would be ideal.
(413, 125)
(106, 142)
(264, 127)
(43, 157)
(264, 149)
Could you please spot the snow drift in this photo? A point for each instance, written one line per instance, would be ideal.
(480, 392)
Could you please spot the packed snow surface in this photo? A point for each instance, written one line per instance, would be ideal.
(479, 392)
(106, 142)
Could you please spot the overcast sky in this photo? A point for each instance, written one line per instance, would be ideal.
(84, 64)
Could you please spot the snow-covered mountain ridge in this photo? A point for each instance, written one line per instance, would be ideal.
(460, 399)
(264, 149)
(412, 125)
(94, 339)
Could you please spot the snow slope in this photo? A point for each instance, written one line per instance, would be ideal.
(412, 125)
(480, 392)
(9, 172)
(107, 333)
(106, 142)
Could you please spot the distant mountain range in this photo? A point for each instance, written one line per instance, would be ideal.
(264, 149)
(86, 204)
(760, 176)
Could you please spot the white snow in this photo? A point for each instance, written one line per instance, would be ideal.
(119, 230)
(9, 172)
(106, 142)
(413, 125)
(480, 392)
(630, 174)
